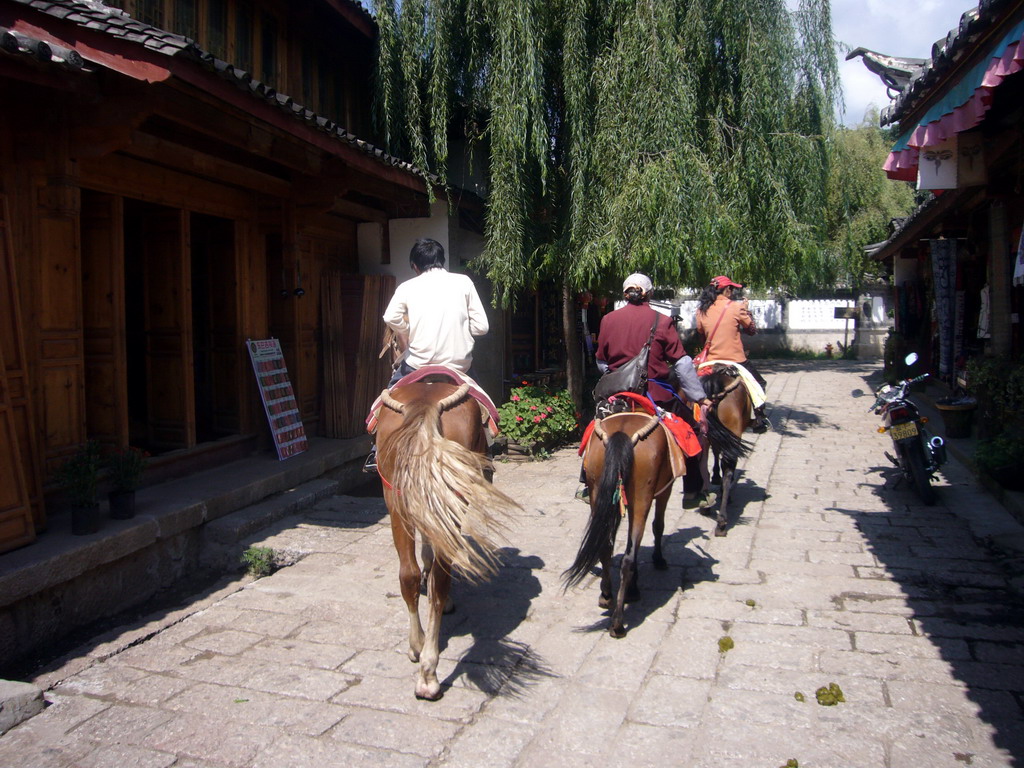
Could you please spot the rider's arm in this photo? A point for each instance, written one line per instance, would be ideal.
(478, 324)
(397, 316)
(746, 319)
(688, 380)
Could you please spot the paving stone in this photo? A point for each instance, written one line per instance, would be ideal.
(396, 732)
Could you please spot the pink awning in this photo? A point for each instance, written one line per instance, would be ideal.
(902, 162)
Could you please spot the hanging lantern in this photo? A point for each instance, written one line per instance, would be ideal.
(585, 298)
(602, 302)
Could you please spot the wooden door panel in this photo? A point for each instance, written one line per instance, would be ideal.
(103, 312)
(168, 329)
(23, 449)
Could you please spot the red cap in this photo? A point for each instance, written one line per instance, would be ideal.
(722, 281)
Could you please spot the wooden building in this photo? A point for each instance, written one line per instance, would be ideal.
(958, 260)
(162, 200)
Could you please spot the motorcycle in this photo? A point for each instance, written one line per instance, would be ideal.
(918, 456)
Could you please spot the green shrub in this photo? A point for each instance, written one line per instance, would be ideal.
(538, 417)
(260, 561)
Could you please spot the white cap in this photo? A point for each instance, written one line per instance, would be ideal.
(636, 280)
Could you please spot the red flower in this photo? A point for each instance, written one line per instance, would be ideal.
(533, 407)
(536, 419)
(526, 383)
(519, 418)
(515, 398)
(550, 409)
(543, 415)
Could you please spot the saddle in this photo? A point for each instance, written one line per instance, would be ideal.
(443, 374)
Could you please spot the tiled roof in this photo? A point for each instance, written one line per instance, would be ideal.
(17, 44)
(946, 54)
(93, 14)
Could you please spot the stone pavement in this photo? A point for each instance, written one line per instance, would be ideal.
(829, 575)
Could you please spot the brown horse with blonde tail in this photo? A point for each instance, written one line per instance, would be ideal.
(433, 463)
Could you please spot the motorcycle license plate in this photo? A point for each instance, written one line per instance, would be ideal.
(903, 431)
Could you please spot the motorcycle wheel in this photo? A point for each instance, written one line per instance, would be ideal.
(917, 469)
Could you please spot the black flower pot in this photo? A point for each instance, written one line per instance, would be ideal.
(122, 505)
(85, 518)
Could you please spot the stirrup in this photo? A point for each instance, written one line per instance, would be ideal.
(370, 465)
(761, 426)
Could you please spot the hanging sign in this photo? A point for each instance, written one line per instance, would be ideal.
(278, 397)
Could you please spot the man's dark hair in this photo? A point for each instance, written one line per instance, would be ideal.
(426, 254)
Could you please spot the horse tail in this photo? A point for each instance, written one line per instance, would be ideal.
(441, 491)
(729, 446)
(604, 517)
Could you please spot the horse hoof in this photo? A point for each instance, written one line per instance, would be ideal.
(604, 602)
(720, 530)
(428, 692)
(660, 564)
(617, 632)
(414, 656)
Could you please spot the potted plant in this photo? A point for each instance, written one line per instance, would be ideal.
(1002, 458)
(125, 468)
(79, 477)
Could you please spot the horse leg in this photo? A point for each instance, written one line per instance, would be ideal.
(628, 582)
(658, 527)
(716, 475)
(427, 553)
(605, 598)
(728, 469)
(409, 580)
(438, 586)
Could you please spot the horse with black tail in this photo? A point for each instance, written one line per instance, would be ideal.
(627, 468)
(727, 418)
(433, 464)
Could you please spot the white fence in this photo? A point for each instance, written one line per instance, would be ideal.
(805, 323)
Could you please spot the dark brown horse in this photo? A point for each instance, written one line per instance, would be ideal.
(728, 418)
(628, 467)
(432, 460)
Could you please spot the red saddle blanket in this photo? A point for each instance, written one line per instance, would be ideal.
(486, 404)
(674, 425)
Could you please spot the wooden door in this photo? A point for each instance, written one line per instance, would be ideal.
(103, 307)
(216, 338)
(168, 322)
(19, 475)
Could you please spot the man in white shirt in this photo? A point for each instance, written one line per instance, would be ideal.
(435, 316)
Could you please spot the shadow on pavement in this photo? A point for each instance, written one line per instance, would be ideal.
(958, 591)
(657, 588)
(489, 612)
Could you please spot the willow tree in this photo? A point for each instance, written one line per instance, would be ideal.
(682, 138)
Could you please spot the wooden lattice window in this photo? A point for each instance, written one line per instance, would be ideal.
(243, 36)
(217, 28)
(150, 12)
(186, 18)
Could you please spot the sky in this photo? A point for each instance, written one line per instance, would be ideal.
(893, 27)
